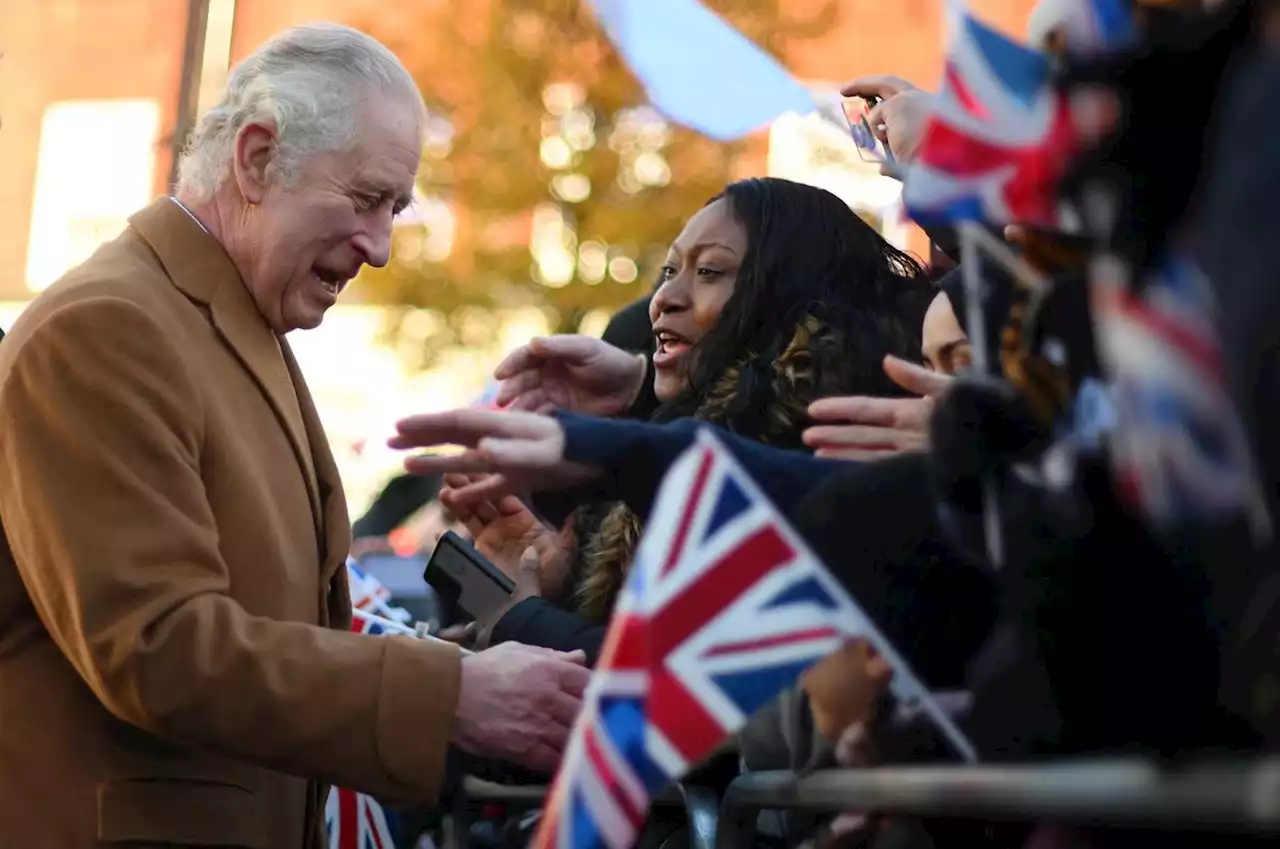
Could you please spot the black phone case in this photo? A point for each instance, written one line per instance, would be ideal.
(464, 578)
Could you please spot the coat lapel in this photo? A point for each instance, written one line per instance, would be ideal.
(199, 266)
(336, 536)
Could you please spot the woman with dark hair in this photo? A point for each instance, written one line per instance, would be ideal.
(774, 295)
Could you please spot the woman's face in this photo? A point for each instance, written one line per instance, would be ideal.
(942, 341)
(697, 279)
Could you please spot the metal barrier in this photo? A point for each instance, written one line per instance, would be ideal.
(700, 804)
(1227, 797)
(1230, 797)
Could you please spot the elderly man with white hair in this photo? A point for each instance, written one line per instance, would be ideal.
(176, 664)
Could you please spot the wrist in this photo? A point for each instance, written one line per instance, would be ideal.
(637, 384)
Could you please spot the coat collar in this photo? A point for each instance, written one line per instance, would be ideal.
(199, 266)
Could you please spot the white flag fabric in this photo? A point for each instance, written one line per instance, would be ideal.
(697, 69)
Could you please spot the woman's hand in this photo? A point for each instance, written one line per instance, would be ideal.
(504, 528)
(581, 374)
(477, 635)
(515, 452)
(871, 428)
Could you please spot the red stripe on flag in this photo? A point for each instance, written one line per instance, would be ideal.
(681, 717)
(1201, 351)
(955, 84)
(348, 819)
(691, 507)
(772, 642)
(717, 588)
(371, 820)
(625, 646)
(604, 771)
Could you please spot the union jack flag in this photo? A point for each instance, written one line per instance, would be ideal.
(367, 592)
(354, 820)
(724, 607)
(1178, 447)
(1000, 137)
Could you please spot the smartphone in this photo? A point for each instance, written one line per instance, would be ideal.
(850, 116)
(464, 578)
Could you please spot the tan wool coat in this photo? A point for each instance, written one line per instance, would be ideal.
(176, 665)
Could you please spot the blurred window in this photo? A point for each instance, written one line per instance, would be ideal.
(96, 167)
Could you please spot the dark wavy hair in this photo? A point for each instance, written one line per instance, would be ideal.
(808, 255)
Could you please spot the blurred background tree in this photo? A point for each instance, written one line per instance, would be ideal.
(546, 180)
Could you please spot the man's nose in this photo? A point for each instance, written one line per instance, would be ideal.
(374, 241)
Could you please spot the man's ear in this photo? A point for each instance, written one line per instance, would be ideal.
(255, 151)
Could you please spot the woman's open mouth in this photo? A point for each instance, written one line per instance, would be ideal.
(670, 348)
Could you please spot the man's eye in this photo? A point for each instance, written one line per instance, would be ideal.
(366, 202)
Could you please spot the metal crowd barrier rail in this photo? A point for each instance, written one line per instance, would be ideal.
(700, 804)
(1233, 796)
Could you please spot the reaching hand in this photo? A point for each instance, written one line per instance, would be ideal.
(517, 452)
(517, 704)
(503, 529)
(878, 427)
(844, 686)
(581, 374)
(478, 635)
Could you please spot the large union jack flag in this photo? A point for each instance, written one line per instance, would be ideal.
(1000, 138)
(724, 608)
(1178, 447)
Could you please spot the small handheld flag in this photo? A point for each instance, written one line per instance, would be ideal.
(1000, 139)
(724, 607)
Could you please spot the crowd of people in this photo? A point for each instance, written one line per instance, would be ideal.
(176, 662)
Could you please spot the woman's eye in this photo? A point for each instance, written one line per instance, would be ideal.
(666, 272)
(709, 272)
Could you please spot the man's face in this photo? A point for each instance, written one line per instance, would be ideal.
(307, 241)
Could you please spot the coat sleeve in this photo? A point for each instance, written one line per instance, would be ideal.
(636, 456)
(106, 513)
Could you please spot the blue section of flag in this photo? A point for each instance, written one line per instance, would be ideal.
(1022, 71)
(731, 503)
(752, 689)
(804, 592)
(697, 69)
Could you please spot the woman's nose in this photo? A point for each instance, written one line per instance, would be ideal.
(672, 296)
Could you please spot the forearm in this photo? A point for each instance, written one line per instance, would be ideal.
(634, 457)
(537, 622)
(369, 713)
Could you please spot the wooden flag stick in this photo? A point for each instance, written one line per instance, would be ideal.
(975, 296)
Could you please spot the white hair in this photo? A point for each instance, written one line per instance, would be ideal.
(309, 81)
